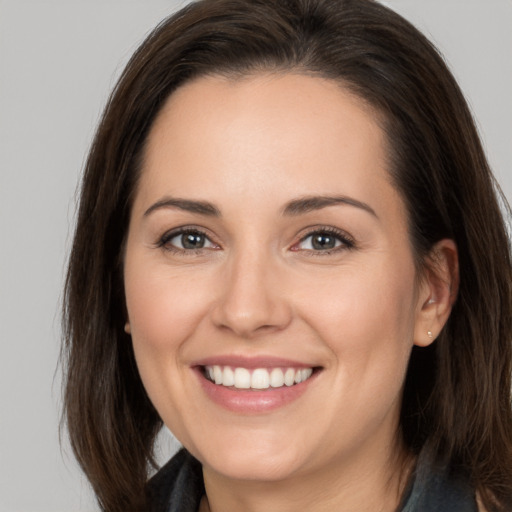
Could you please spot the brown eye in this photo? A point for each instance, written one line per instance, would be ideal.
(324, 241)
(186, 240)
(192, 240)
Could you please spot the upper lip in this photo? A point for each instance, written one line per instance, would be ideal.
(251, 362)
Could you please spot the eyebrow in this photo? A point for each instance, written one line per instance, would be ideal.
(296, 207)
(200, 207)
(311, 203)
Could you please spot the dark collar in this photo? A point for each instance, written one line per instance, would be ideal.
(437, 488)
(179, 487)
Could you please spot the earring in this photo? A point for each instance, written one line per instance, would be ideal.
(430, 335)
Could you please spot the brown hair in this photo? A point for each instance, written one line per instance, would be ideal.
(457, 399)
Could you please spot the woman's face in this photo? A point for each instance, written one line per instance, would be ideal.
(267, 243)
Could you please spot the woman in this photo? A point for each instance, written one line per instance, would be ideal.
(290, 251)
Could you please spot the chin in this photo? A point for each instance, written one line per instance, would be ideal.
(252, 467)
(252, 459)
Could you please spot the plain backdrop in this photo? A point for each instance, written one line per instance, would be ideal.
(58, 61)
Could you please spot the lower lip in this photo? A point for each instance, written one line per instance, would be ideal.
(248, 401)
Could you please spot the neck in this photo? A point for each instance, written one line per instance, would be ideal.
(369, 482)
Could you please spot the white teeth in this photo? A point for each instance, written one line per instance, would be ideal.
(306, 373)
(217, 374)
(276, 378)
(260, 378)
(242, 378)
(228, 377)
(289, 377)
(302, 375)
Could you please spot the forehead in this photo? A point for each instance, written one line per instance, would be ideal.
(294, 104)
(284, 134)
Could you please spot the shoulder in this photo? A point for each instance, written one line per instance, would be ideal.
(440, 488)
(177, 484)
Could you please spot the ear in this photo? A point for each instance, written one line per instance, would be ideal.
(127, 328)
(437, 292)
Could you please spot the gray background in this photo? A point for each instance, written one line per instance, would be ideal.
(58, 60)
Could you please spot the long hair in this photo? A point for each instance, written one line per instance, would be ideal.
(457, 402)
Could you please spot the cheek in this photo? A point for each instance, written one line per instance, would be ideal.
(368, 324)
(163, 309)
(367, 319)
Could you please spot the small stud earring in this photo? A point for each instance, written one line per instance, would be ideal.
(430, 335)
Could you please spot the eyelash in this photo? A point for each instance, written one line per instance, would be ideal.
(347, 242)
(168, 236)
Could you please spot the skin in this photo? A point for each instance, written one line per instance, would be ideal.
(249, 147)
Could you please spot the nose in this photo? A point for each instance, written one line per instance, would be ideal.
(251, 298)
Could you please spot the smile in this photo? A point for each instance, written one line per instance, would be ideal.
(257, 378)
(254, 385)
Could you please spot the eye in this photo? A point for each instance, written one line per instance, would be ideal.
(186, 240)
(320, 242)
(324, 240)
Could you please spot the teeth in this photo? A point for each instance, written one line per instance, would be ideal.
(276, 378)
(289, 377)
(242, 378)
(260, 378)
(217, 374)
(302, 375)
(306, 373)
(228, 377)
